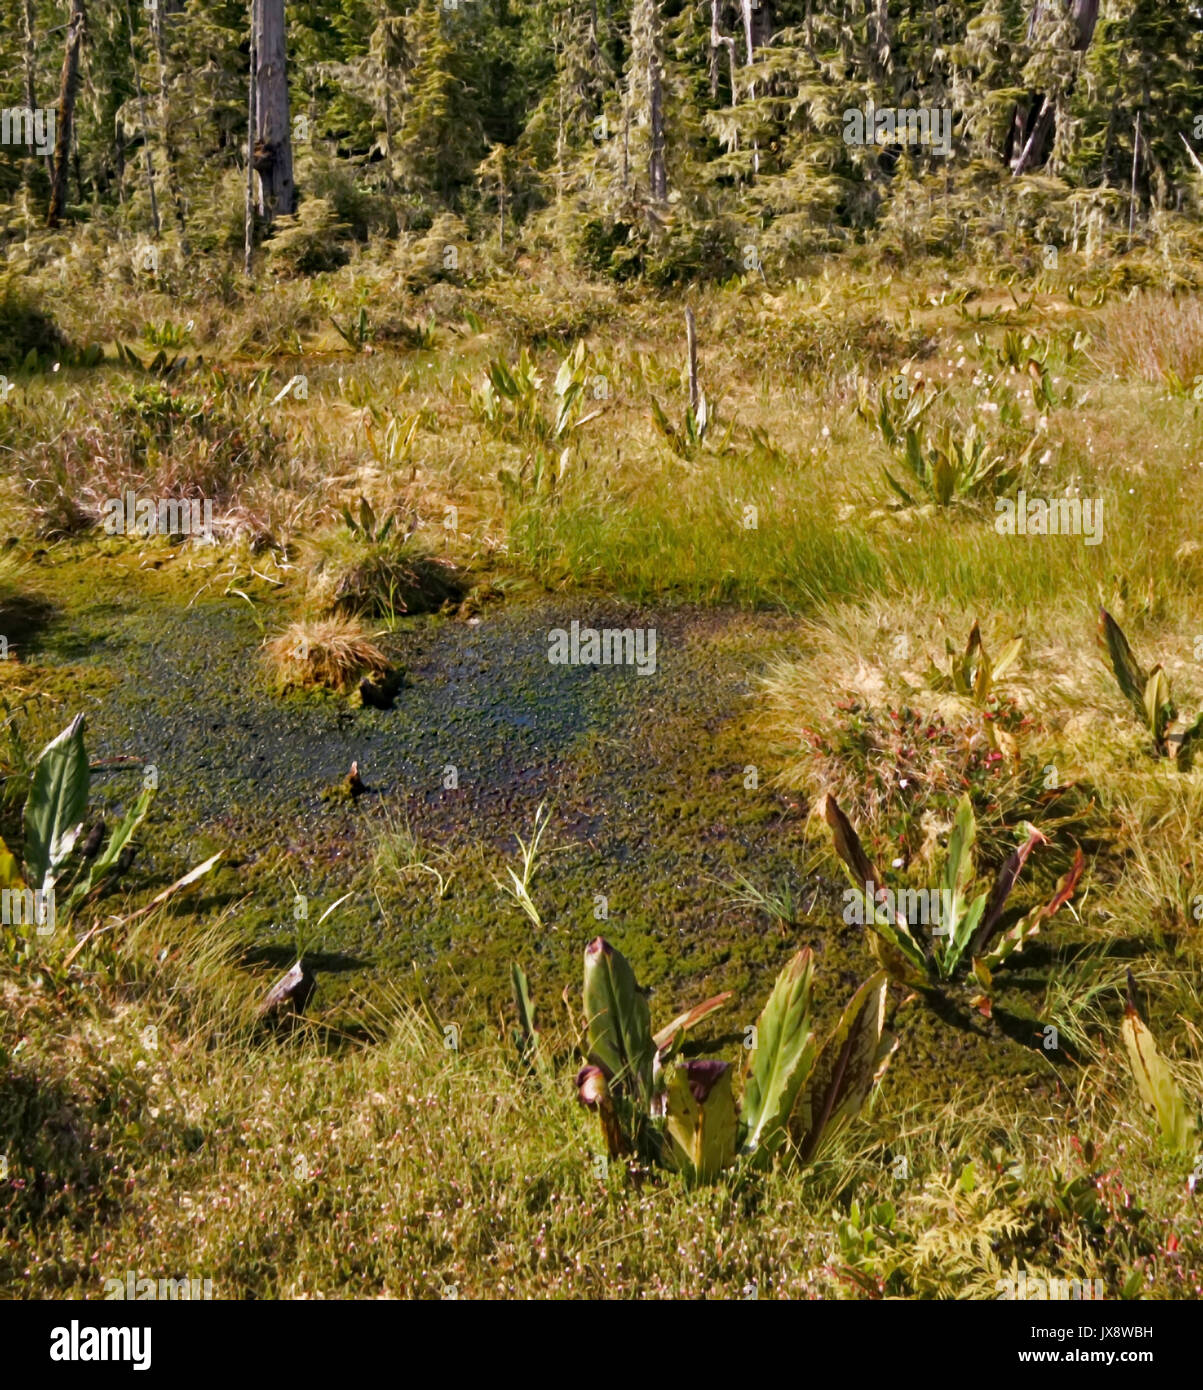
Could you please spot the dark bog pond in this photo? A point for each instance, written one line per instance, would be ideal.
(646, 776)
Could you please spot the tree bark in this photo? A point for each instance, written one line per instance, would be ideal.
(719, 40)
(273, 132)
(68, 88)
(31, 68)
(691, 342)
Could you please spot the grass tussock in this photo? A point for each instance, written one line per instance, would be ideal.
(333, 653)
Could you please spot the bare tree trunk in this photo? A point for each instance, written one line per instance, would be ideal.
(1034, 123)
(386, 59)
(68, 88)
(273, 133)
(150, 164)
(1132, 196)
(691, 338)
(1040, 132)
(249, 224)
(758, 29)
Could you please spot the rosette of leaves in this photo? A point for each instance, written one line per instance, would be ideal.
(1148, 692)
(52, 881)
(976, 925)
(796, 1095)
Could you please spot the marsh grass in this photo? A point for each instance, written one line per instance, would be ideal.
(331, 652)
(359, 1155)
(399, 1167)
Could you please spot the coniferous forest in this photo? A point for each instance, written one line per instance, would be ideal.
(601, 651)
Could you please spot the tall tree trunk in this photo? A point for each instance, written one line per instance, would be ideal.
(758, 29)
(273, 132)
(758, 25)
(68, 87)
(719, 40)
(31, 68)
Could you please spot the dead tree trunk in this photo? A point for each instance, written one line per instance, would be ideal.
(719, 40)
(273, 132)
(691, 342)
(31, 69)
(68, 88)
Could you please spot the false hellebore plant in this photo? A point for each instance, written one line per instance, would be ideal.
(655, 1105)
(974, 925)
(1148, 692)
(55, 812)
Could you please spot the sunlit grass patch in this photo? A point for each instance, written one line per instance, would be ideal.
(333, 652)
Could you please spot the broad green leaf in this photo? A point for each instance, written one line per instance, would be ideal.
(1029, 925)
(58, 799)
(701, 1118)
(903, 956)
(1159, 709)
(849, 848)
(781, 1059)
(895, 949)
(958, 863)
(845, 1071)
(1132, 680)
(617, 1019)
(526, 1011)
(962, 934)
(1155, 1081)
(10, 874)
(1186, 744)
(1007, 658)
(898, 488)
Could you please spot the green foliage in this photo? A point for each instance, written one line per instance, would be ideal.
(29, 335)
(1148, 692)
(511, 402)
(1155, 1081)
(372, 566)
(311, 241)
(972, 924)
(948, 468)
(54, 816)
(655, 1104)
